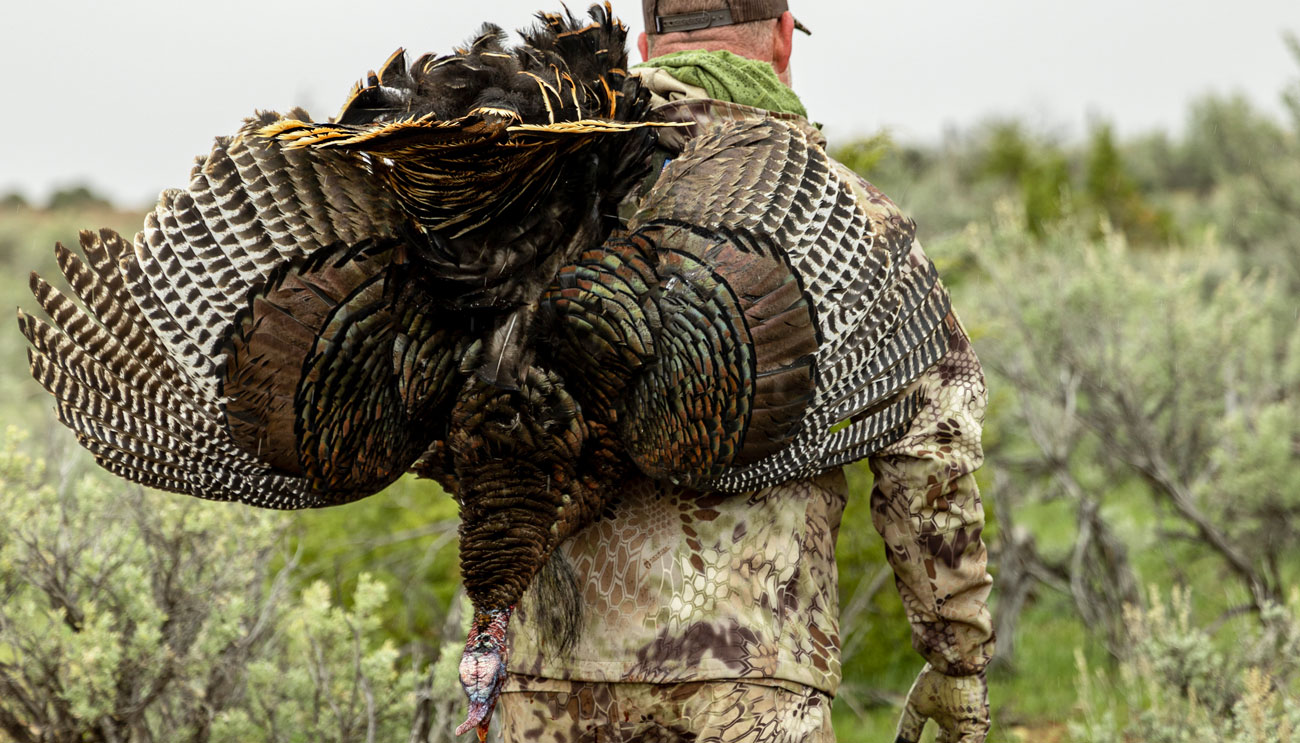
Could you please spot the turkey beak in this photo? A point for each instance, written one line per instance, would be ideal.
(483, 668)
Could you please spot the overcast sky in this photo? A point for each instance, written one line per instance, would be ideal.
(123, 95)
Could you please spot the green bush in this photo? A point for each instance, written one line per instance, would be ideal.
(1171, 375)
(325, 676)
(130, 615)
(1180, 686)
(78, 197)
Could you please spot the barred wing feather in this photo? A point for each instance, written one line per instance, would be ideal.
(260, 342)
(757, 324)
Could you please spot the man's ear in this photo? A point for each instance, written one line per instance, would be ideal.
(643, 45)
(782, 42)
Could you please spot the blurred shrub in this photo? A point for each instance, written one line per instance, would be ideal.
(78, 197)
(1291, 96)
(13, 200)
(1173, 378)
(1179, 687)
(405, 536)
(863, 155)
(1254, 166)
(1113, 192)
(1038, 168)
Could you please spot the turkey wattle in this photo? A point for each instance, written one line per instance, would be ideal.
(434, 282)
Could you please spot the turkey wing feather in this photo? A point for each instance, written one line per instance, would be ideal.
(789, 320)
(262, 342)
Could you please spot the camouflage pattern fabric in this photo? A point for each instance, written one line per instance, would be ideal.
(549, 711)
(958, 704)
(681, 587)
(927, 507)
(684, 586)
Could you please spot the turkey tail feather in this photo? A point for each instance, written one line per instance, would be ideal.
(142, 355)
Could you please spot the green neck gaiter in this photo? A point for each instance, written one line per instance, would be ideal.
(730, 77)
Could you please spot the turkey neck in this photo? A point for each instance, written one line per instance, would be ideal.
(524, 463)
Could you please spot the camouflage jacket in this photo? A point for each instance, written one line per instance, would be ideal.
(681, 586)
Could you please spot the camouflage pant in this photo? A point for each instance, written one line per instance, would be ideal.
(552, 711)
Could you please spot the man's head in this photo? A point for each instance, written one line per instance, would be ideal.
(757, 29)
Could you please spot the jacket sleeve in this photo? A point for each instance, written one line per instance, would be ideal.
(927, 507)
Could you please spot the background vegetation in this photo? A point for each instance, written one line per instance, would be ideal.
(1136, 305)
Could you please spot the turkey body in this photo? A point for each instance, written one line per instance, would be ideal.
(436, 281)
